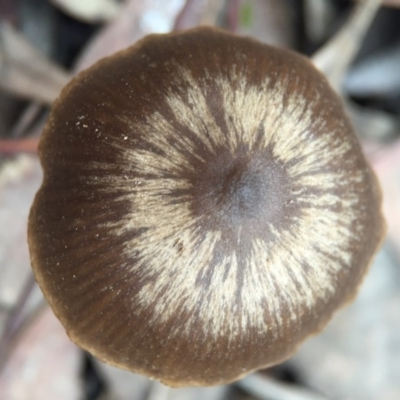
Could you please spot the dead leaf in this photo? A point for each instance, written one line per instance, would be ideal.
(335, 57)
(19, 181)
(137, 19)
(386, 163)
(44, 365)
(26, 72)
(89, 10)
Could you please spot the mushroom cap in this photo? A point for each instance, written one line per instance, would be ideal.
(205, 207)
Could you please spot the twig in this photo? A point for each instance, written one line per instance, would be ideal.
(26, 119)
(335, 57)
(14, 146)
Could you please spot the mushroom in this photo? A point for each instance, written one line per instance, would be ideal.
(205, 207)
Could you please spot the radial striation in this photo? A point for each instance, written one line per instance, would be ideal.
(205, 207)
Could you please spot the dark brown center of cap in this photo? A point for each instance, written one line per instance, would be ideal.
(241, 194)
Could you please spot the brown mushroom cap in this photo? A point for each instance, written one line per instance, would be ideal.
(205, 207)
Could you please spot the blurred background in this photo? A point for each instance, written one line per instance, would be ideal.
(43, 43)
